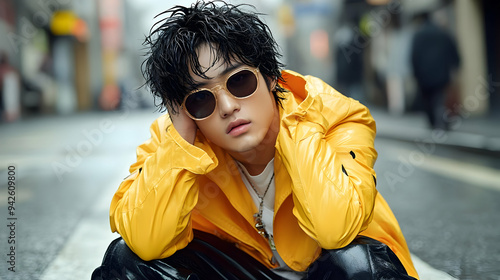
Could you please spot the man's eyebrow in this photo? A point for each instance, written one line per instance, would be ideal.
(231, 68)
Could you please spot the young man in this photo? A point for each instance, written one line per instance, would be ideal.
(255, 173)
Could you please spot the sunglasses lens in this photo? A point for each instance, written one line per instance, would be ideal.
(242, 84)
(200, 104)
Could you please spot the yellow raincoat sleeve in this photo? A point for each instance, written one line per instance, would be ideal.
(328, 148)
(152, 208)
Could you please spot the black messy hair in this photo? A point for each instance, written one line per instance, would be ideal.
(231, 33)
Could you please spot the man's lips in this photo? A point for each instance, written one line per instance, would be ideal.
(236, 124)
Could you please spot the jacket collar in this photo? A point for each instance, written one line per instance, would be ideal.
(226, 175)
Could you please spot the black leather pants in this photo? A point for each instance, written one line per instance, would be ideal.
(208, 257)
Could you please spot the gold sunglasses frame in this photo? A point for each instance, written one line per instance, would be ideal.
(220, 86)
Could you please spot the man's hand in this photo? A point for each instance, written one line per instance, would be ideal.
(183, 124)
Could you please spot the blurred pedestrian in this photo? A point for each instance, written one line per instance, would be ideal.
(435, 61)
(255, 172)
(398, 37)
(349, 60)
(10, 90)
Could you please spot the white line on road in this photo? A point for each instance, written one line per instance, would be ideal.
(474, 174)
(427, 272)
(84, 250)
(471, 173)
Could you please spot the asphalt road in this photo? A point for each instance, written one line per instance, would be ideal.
(446, 202)
(67, 168)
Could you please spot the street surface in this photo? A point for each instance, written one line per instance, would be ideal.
(67, 168)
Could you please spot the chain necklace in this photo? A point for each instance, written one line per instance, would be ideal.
(259, 223)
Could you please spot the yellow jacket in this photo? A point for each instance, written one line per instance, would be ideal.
(325, 185)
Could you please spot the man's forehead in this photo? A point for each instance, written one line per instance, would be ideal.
(211, 65)
(208, 57)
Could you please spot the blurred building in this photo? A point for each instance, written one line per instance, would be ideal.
(71, 55)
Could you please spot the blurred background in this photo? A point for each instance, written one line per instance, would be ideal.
(74, 56)
(73, 109)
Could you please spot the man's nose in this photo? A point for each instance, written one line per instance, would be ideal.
(226, 103)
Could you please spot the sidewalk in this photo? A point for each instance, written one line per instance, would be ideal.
(473, 133)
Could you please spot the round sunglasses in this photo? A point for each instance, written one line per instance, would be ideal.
(200, 103)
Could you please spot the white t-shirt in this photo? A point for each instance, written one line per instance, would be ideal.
(260, 182)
